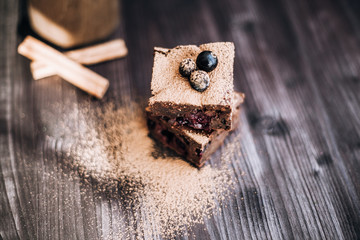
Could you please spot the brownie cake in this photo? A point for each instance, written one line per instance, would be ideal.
(195, 145)
(182, 105)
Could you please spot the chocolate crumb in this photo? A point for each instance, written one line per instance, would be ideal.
(199, 80)
(187, 66)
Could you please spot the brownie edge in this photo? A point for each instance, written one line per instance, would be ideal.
(195, 146)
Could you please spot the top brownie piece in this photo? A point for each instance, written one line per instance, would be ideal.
(172, 95)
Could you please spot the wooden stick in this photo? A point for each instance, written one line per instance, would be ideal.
(40, 70)
(99, 53)
(88, 55)
(66, 68)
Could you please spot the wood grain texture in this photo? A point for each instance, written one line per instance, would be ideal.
(298, 164)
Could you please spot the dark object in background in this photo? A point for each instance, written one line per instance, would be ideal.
(70, 23)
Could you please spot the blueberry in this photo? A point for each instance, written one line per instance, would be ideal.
(207, 61)
(187, 66)
(199, 80)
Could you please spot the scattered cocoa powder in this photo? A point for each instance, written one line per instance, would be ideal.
(109, 146)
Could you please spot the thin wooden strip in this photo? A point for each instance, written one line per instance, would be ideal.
(99, 53)
(66, 68)
(89, 55)
(40, 70)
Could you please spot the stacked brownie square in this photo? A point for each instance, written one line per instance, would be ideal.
(192, 111)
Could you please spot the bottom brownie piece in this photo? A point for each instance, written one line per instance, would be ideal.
(195, 146)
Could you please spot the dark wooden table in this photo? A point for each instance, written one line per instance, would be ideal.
(297, 62)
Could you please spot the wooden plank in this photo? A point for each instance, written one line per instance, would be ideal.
(337, 59)
(11, 221)
(270, 64)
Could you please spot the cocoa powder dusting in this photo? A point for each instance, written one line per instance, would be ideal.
(109, 147)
